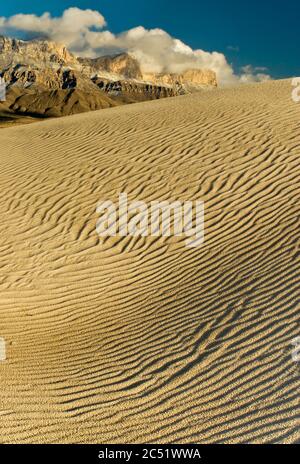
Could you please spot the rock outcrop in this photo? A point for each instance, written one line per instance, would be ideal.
(13, 51)
(133, 91)
(190, 80)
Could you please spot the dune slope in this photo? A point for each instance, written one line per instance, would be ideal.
(145, 340)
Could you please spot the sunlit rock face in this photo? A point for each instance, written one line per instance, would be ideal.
(192, 79)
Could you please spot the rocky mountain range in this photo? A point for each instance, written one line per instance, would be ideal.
(44, 79)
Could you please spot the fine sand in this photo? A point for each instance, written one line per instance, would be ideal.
(143, 339)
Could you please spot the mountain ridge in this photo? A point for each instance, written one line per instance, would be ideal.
(38, 67)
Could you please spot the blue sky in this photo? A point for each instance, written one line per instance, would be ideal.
(262, 33)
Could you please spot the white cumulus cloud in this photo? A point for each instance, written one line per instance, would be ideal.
(82, 31)
(71, 28)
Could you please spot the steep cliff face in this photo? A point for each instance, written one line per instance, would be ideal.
(40, 64)
(128, 66)
(123, 65)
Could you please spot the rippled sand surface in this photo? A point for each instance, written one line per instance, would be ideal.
(143, 339)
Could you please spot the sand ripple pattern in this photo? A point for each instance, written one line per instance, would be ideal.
(145, 340)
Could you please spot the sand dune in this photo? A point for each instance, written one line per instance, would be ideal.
(145, 340)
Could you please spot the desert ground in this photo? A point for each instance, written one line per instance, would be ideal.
(144, 340)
